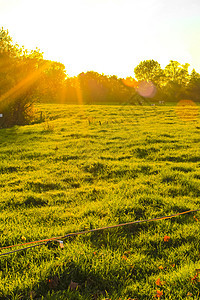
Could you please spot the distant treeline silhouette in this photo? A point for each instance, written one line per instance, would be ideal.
(26, 77)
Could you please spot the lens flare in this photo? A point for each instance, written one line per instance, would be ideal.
(146, 89)
(187, 110)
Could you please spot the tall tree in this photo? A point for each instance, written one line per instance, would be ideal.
(149, 70)
(95, 87)
(194, 86)
(177, 73)
(19, 72)
(176, 81)
(52, 84)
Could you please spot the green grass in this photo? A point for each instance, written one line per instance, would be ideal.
(95, 166)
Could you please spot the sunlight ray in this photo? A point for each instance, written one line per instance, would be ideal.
(24, 84)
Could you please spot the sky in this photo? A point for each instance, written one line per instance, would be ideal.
(106, 36)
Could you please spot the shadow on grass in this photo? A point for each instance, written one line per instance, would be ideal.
(41, 186)
(10, 134)
(91, 285)
(29, 202)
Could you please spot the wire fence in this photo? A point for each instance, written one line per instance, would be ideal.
(60, 238)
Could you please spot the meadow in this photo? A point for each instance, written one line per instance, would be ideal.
(85, 167)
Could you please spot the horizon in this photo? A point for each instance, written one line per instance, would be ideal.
(108, 37)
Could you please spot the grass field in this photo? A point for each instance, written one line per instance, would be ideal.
(86, 167)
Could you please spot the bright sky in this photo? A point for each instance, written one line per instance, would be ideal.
(107, 36)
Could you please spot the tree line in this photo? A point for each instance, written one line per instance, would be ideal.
(26, 77)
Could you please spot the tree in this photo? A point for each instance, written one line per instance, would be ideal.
(194, 86)
(19, 73)
(149, 70)
(177, 73)
(51, 87)
(176, 81)
(92, 88)
(25, 77)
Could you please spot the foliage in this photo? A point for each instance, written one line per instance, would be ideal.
(171, 84)
(17, 74)
(177, 73)
(23, 81)
(149, 70)
(52, 84)
(100, 166)
(194, 86)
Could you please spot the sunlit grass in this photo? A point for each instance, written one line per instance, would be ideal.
(93, 166)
